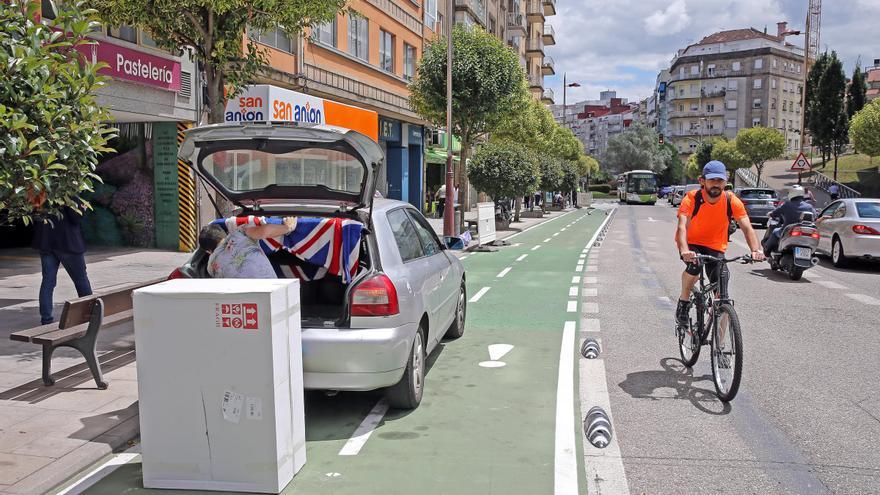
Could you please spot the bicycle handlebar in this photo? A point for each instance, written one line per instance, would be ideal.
(744, 259)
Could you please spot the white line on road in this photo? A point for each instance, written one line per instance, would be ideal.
(363, 432)
(592, 268)
(579, 268)
(521, 257)
(873, 301)
(464, 257)
(592, 325)
(591, 280)
(575, 279)
(591, 308)
(482, 292)
(582, 255)
(504, 272)
(565, 472)
(590, 292)
(536, 247)
(605, 473)
(573, 291)
(830, 285)
(555, 234)
(547, 239)
(572, 306)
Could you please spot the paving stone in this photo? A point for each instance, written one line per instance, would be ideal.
(19, 467)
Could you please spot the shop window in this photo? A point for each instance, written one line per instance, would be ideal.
(126, 33)
(147, 40)
(325, 33)
(386, 51)
(276, 38)
(358, 36)
(409, 61)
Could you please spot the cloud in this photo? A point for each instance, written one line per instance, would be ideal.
(670, 21)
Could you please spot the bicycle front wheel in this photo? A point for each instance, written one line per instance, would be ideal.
(727, 353)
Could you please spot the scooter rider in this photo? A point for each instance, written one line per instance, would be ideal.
(789, 213)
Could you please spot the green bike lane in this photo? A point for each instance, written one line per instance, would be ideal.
(478, 429)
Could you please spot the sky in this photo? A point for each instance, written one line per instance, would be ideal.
(622, 44)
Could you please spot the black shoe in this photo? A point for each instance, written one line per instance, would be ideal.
(681, 313)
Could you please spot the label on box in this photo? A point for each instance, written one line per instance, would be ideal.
(238, 315)
(254, 408)
(231, 406)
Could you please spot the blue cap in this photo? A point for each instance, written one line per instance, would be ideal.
(715, 170)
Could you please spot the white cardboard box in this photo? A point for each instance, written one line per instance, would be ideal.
(220, 385)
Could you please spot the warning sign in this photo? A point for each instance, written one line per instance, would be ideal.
(800, 164)
(243, 316)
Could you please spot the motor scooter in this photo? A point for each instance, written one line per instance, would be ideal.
(797, 244)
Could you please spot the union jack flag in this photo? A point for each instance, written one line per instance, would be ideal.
(327, 245)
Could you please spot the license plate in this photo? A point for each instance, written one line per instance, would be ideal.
(802, 253)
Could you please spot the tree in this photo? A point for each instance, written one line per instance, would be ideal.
(759, 144)
(833, 125)
(691, 169)
(855, 96)
(726, 152)
(552, 174)
(504, 170)
(216, 31)
(865, 129)
(704, 152)
(51, 128)
(673, 171)
(487, 85)
(811, 108)
(637, 148)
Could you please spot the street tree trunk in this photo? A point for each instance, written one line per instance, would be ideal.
(518, 204)
(216, 99)
(835, 167)
(760, 169)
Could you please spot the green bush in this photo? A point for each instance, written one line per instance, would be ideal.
(603, 188)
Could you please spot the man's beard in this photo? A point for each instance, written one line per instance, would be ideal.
(713, 192)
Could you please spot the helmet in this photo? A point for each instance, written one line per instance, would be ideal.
(795, 191)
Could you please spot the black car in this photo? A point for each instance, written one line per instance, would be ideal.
(759, 202)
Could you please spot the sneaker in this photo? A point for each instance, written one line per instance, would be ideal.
(681, 313)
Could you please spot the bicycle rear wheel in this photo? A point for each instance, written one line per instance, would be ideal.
(689, 337)
(727, 353)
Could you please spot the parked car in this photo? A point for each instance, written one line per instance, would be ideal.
(849, 229)
(680, 192)
(664, 191)
(759, 202)
(407, 291)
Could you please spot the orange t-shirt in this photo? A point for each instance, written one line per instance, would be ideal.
(709, 228)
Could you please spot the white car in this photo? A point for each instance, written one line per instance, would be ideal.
(679, 192)
(850, 229)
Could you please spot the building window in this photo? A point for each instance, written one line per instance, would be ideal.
(386, 51)
(731, 123)
(732, 84)
(773, 83)
(737, 66)
(325, 33)
(695, 69)
(409, 61)
(276, 38)
(681, 108)
(773, 122)
(731, 104)
(756, 121)
(756, 103)
(772, 103)
(784, 105)
(798, 68)
(695, 107)
(710, 107)
(492, 24)
(431, 14)
(681, 72)
(773, 62)
(759, 63)
(126, 33)
(711, 70)
(358, 36)
(756, 84)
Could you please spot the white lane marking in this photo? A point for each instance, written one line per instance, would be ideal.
(538, 225)
(572, 291)
(575, 280)
(650, 219)
(565, 472)
(605, 472)
(496, 352)
(582, 255)
(580, 262)
(564, 229)
(591, 308)
(363, 432)
(592, 268)
(664, 299)
(95, 475)
(516, 244)
(590, 292)
(579, 268)
(482, 292)
(555, 234)
(830, 285)
(591, 280)
(814, 274)
(572, 306)
(464, 257)
(547, 239)
(536, 247)
(504, 272)
(592, 325)
(873, 301)
(521, 257)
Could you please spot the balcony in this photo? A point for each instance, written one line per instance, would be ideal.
(549, 7)
(534, 11)
(547, 96)
(536, 81)
(548, 67)
(713, 93)
(516, 24)
(549, 35)
(535, 47)
(476, 8)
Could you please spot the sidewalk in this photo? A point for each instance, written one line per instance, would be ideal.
(524, 223)
(48, 434)
(779, 177)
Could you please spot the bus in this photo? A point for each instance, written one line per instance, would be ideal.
(637, 186)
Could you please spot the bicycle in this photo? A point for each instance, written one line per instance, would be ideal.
(716, 315)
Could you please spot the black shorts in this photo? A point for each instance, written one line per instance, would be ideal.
(711, 266)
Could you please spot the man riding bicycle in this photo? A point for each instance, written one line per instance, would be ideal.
(704, 227)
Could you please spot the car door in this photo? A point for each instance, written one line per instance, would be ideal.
(418, 273)
(825, 226)
(448, 284)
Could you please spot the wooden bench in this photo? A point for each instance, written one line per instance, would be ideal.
(79, 324)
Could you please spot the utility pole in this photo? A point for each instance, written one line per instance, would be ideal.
(449, 207)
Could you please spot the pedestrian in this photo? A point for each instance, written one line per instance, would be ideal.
(808, 196)
(441, 200)
(59, 241)
(834, 191)
(239, 255)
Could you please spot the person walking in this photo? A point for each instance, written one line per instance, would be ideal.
(60, 242)
(834, 191)
(441, 200)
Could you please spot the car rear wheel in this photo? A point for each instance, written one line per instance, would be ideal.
(456, 330)
(837, 256)
(407, 393)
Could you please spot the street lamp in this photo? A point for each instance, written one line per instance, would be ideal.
(565, 86)
(449, 209)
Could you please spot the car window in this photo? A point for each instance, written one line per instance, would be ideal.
(868, 210)
(425, 233)
(829, 210)
(757, 194)
(405, 235)
(840, 212)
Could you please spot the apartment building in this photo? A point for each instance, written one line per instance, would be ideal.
(529, 34)
(732, 80)
(594, 122)
(872, 79)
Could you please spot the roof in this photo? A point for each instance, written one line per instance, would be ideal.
(737, 35)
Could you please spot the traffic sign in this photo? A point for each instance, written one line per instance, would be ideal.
(800, 164)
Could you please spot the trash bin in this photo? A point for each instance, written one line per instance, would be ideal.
(457, 219)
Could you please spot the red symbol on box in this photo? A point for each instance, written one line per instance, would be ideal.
(250, 316)
(225, 309)
(226, 322)
(236, 323)
(236, 309)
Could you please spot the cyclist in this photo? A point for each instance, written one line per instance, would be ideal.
(704, 219)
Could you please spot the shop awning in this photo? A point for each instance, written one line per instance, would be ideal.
(437, 156)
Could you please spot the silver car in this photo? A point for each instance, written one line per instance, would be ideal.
(850, 229)
(408, 290)
(680, 192)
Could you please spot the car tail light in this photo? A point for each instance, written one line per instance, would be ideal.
(375, 296)
(777, 203)
(865, 230)
(176, 274)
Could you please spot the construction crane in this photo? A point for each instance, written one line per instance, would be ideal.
(811, 53)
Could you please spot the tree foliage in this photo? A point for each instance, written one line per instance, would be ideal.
(552, 174)
(727, 153)
(51, 128)
(673, 171)
(759, 144)
(827, 117)
(856, 94)
(637, 148)
(691, 169)
(704, 152)
(865, 129)
(504, 170)
(811, 116)
(216, 31)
